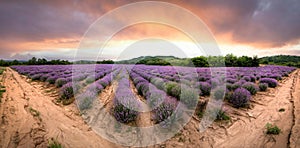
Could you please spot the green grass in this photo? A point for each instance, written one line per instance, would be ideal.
(54, 144)
(222, 115)
(272, 129)
(199, 114)
(2, 90)
(2, 70)
(34, 112)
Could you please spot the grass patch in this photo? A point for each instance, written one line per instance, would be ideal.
(199, 114)
(54, 144)
(67, 101)
(2, 90)
(272, 129)
(2, 70)
(281, 110)
(222, 115)
(34, 112)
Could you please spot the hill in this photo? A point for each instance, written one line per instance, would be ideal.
(286, 60)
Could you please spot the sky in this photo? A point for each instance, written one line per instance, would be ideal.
(55, 28)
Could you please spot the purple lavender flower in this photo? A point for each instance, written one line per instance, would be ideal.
(271, 82)
(240, 97)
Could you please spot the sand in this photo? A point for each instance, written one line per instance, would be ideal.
(20, 127)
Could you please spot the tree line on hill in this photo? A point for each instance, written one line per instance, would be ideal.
(229, 60)
(286, 60)
(211, 61)
(43, 61)
(34, 61)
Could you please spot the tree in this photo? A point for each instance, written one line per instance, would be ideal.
(244, 61)
(255, 61)
(32, 61)
(200, 61)
(231, 60)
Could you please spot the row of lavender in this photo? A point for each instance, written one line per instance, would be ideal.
(70, 79)
(163, 87)
(240, 82)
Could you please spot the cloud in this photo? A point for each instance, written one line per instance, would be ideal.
(42, 25)
(262, 24)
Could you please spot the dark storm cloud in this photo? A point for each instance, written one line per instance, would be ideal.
(35, 20)
(260, 23)
(275, 23)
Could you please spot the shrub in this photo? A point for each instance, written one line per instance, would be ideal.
(155, 98)
(36, 77)
(169, 86)
(67, 91)
(85, 100)
(158, 82)
(205, 88)
(271, 82)
(138, 80)
(285, 74)
(247, 78)
(44, 77)
(263, 86)
(103, 82)
(231, 80)
(189, 97)
(60, 82)
(90, 79)
(251, 87)
(240, 97)
(219, 93)
(95, 87)
(272, 129)
(214, 82)
(163, 111)
(222, 115)
(54, 144)
(229, 86)
(142, 88)
(51, 79)
(228, 94)
(236, 85)
(79, 78)
(275, 76)
(175, 91)
(124, 109)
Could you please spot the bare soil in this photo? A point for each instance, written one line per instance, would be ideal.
(30, 117)
(21, 126)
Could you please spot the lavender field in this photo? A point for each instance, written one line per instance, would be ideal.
(156, 106)
(162, 88)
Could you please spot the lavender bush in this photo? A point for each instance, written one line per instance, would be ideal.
(240, 97)
(251, 87)
(271, 82)
(164, 111)
(263, 86)
(85, 100)
(189, 96)
(205, 88)
(60, 82)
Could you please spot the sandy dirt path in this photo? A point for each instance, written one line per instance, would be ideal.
(30, 118)
(295, 134)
